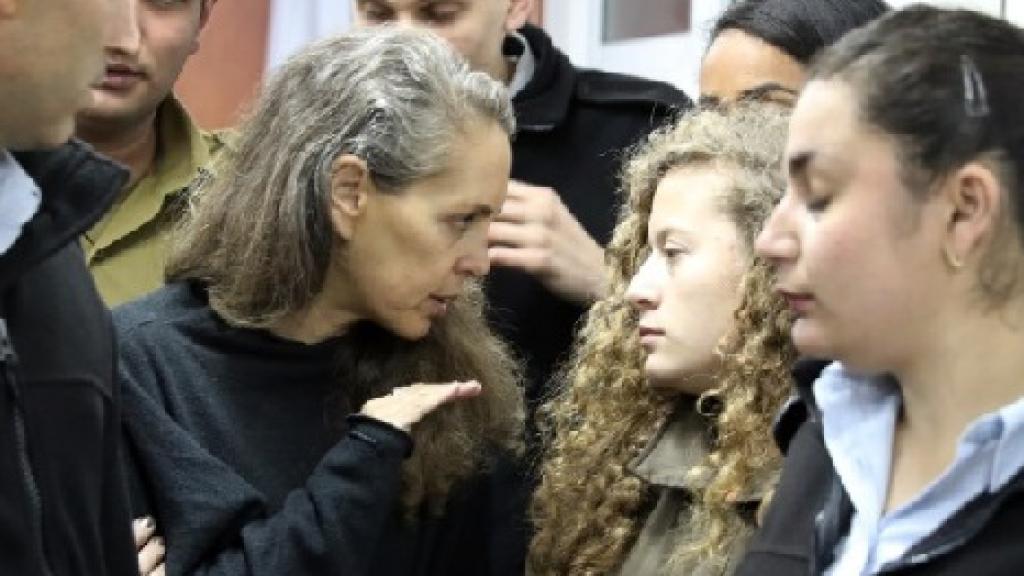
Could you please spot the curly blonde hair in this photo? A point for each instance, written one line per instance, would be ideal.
(588, 507)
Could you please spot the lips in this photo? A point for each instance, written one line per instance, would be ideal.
(800, 303)
(120, 76)
(649, 336)
(438, 304)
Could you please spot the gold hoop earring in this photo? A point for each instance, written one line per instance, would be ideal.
(952, 259)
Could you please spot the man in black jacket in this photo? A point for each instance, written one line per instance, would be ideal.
(573, 128)
(62, 498)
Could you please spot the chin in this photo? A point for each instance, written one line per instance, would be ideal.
(409, 329)
(813, 342)
(56, 136)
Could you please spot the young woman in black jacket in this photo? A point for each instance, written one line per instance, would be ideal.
(898, 247)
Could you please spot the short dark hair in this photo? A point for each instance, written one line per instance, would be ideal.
(800, 28)
(946, 85)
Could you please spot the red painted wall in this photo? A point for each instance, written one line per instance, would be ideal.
(220, 80)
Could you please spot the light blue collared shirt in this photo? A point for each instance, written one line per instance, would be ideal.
(859, 420)
(19, 200)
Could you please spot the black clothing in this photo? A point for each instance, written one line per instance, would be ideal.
(811, 512)
(573, 129)
(63, 504)
(243, 456)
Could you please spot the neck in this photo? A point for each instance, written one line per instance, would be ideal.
(314, 324)
(972, 369)
(134, 146)
(327, 316)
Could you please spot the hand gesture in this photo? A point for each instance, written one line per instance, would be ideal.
(406, 406)
(536, 233)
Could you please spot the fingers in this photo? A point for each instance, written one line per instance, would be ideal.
(513, 212)
(143, 528)
(151, 556)
(532, 261)
(407, 405)
(431, 396)
(511, 234)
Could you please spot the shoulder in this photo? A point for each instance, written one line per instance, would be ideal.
(611, 89)
(219, 141)
(157, 315)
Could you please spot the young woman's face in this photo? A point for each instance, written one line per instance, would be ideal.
(857, 256)
(688, 287)
(739, 65)
(409, 254)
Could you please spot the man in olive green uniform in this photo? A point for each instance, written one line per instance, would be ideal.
(136, 120)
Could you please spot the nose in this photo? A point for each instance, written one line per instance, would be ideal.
(644, 291)
(475, 262)
(778, 241)
(404, 20)
(124, 33)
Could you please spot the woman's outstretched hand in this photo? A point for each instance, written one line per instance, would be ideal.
(406, 406)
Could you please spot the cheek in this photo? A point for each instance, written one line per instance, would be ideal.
(700, 309)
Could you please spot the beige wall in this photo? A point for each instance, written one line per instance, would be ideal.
(220, 80)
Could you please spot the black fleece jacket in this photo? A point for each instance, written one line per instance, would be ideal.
(63, 504)
(239, 455)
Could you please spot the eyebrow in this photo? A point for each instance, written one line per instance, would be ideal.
(661, 236)
(709, 101)
(761, 90)
(482, 210)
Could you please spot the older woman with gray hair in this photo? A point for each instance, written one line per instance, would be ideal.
(316, 391)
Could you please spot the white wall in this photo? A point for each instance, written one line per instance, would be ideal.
(1015, 12)
(575, 26)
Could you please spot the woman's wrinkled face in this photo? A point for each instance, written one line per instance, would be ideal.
(410, 253)
(738, 66)
(688, 287)
(857, 256)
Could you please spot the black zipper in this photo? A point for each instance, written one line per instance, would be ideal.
(8, 363)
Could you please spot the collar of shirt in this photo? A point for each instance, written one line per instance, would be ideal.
(675, 457)
(859, 417)
(20, 199)
(525, 67)
(182, 149)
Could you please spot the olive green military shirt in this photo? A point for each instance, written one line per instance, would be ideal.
(126, 250)
(667, 465)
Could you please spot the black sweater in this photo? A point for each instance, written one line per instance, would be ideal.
(239, 455)
(63, 504)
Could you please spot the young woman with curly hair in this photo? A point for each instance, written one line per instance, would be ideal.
(659, 450)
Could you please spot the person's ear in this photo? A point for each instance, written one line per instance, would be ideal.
(518, 14)
(350, 188)
(975, 197)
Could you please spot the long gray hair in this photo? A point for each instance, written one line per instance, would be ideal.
(260, 237)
